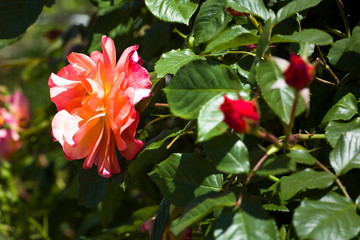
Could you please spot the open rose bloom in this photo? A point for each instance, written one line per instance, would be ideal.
(95, 97)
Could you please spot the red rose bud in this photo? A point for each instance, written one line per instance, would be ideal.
(299, 74)
(235, 13)
(240, 114)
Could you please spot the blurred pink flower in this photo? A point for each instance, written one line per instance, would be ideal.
(12, 119)
(95, 97)
(9, 142)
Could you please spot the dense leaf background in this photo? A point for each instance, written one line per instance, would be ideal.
(194, 173)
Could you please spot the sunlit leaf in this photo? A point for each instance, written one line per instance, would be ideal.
(172, 10)
(295, 7)
(346, 154)
(210, 20)
(334, 130)
(331, 217)
(171, 62)
(314, 36)
(344, 109)
(256, 7)
(195, 84)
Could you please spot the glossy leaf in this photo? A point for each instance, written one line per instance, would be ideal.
(162, 215)
(210, 20)
(210, 120)
(197, 83)
(301, 156)
(306, 179)
(232, 37)
(256, 7)
(172, 10)
(346, 154)
(17, 15)
(183, 177)
(295, 7)
(331, 217)
(344, 109)
(314, 36)
(172, 61)
(334, 130)
(250, 222)
(276, 93)
(92, 187)
(200, 208)
(228, 153)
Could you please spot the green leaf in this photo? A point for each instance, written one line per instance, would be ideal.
(172, 10)
(256, 7)
(200, 208)
(162, 215)
(211, 119)
(344, 109)
(276, 93)
(210, 20)
(17, 15)
(158, 143)
(172, 61)
(301, 156)
(294, 7)
(346, 154)
(195, 84)
(331, 217)
(276, 165)
(314, 36)
(334, 130)
(250, 222)
(92, 187)
(228, 153)
(232, 37)
(306, 179)
(183, 177)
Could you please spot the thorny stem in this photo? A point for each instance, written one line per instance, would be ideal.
(343, 16)
(341, 186)
(255, 22)
(309, 136)
(258, 164)
(326, 66)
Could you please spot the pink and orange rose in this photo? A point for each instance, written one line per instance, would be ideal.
(95, 97)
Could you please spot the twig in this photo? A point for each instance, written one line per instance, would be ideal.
(325, 82)
(341, 186)
(343, 16)
(326, 66)
(258, 164)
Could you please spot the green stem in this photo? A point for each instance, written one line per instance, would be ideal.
(325, 82)
(242, 52)
(255, 22)
(268, 136)
(326, 66)
(309, 136)
(343, 16)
